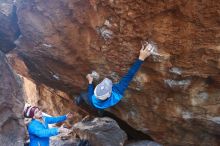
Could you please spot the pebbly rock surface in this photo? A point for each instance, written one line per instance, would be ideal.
(175, 96)
(9, 30)
(101, 132)
(144, 143)
(12, 129)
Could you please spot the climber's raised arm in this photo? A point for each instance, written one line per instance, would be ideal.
(123, 84)
(107, 94)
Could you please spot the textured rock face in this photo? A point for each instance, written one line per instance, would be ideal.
(101, 132)
(144, 143)
(9, 30)
(64, 143)
(174, 97)
(51, 101)
(11, 105)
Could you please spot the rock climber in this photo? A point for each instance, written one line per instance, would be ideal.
(107, 94)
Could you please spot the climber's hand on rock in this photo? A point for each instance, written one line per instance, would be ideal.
(69, 115)
(89, 78)
(64, 130)
(145, 51)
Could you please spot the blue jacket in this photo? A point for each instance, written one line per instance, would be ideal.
(39, 133)
(117, 89)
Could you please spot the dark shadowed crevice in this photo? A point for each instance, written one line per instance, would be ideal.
(7, 38)
(15, 22)
(40, 74)
(132, 133)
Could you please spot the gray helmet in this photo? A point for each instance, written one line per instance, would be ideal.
(104, 89)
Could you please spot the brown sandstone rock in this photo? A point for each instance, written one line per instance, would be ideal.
(9, 30)
(144, 143)
(60, 142)
(11, 106)
(174, 97)
(101, 132)
(52, 101)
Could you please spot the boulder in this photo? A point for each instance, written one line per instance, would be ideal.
(101, 132)
(12, 129)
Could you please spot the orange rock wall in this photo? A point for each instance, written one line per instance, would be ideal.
(175, 96)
